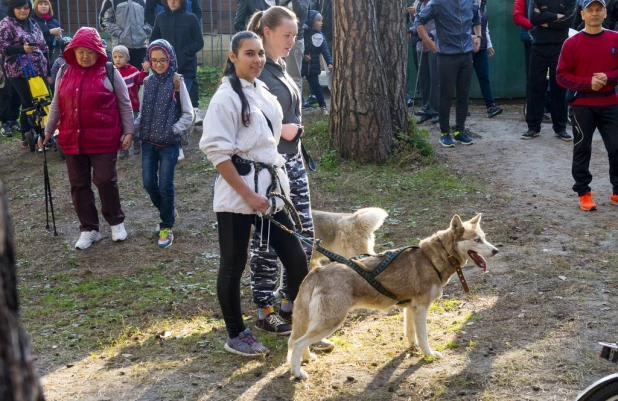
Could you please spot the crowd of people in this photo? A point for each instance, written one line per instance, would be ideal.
(253, 132)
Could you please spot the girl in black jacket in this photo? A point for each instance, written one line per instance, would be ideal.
(315, 44)
(43, 15)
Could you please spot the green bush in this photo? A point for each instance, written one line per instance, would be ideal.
(208, 79)
(411, 146)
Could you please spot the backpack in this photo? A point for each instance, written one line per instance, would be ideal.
(109, 69)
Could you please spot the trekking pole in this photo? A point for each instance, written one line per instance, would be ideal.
(48, 194)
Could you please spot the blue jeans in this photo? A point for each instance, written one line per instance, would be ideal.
(316, 89)
(161, 159)
(480, 61)
(188, 83)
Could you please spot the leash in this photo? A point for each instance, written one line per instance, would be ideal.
(369, 276)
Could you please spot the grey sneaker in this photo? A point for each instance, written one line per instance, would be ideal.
(123, 154)
(137, 148)
(245, 344)
(274, 324)
(323, 345)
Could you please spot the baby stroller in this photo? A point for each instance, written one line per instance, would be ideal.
(41, 101)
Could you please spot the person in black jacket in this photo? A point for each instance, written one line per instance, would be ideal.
(246, 8)
(43, 15)
(552, 20)
(182, 30)
(150, 10)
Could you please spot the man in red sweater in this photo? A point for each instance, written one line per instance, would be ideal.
(588, 68)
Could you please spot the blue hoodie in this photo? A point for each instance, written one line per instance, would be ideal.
(454, 22)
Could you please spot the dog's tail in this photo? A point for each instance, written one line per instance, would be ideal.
(369, 219)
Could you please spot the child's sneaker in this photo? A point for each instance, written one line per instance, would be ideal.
(324, 110)
(14, 125)
(158, 228)
(87, 238)
(613, 199)
(181, 154)
(123, 154)
(461, 137)
(446, 140)
(586, 203)
(273, 323)
(245, 344)
(137, 148)
(166, 238)
(198, 119)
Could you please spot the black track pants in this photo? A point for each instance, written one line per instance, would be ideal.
(586, 119)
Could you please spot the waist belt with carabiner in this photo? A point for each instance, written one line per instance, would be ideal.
(243, 166)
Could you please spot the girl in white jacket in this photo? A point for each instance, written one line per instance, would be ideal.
(243, 122)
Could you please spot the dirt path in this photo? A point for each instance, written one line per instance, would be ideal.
(528, 332)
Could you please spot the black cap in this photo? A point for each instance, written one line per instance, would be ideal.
(588, 2)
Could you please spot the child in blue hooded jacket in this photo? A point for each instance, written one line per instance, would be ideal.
(165, 114)
(315, 44)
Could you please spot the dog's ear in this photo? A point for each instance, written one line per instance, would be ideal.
(476, 219)
(456, 224)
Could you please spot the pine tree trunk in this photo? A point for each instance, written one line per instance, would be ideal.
(18, 380)
(394, 49)
(360, 123)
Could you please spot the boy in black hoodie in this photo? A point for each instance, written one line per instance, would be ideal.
(315, 44)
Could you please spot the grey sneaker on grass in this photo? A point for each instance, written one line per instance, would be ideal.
(323, 345)
(245, 345)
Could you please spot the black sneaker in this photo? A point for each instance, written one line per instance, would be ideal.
(14, 125)
(530, 134)
(5, 130)
(287, 316)
(564, 136)
(435, 119)
(273, 323)
(424, 117)
(494, 111)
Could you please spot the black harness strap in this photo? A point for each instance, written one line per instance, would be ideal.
(369, 276)
(274, 175)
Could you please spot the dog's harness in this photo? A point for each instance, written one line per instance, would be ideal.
(455, 264)
(369, 276)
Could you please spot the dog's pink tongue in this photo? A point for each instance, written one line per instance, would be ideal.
(478, 260)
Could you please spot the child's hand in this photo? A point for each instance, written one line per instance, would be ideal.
(126, 139)
(330, 66)
(307, 57)
(146, 66)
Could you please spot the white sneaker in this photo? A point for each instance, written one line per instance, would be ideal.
(198, 119)
(118, 232)
(87, 238)
(181, 154)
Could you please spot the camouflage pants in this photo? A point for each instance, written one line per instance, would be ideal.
(263, 259)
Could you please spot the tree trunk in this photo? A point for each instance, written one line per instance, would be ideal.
(360, 123)
(394, 49)
(18, 380)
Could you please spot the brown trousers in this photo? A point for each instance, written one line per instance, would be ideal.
(99, 168)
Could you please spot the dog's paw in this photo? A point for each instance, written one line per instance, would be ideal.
(300, 375)
(436, 354)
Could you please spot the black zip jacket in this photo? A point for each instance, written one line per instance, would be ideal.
(557, 31)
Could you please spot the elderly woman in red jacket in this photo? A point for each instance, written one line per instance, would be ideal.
(94, 118)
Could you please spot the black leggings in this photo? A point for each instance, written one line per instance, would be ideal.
(234, 232)
(23, 89)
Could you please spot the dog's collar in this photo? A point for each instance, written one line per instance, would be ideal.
(455, 264)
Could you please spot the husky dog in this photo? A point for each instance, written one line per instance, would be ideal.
(347, 234)
(417, 274)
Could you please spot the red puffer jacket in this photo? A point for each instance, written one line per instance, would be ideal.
(520, 14)
(89, 117)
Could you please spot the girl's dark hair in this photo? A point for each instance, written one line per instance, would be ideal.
(230, 73)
